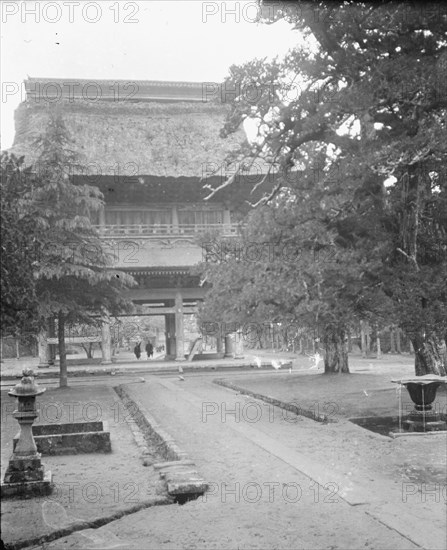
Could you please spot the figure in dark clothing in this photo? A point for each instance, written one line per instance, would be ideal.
(137, 350)
(149, 350)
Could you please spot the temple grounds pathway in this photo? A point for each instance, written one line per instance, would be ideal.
(280, 481)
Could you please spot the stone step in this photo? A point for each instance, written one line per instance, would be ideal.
(180, 472)
(193, 487)
(182, 476)
(173, 463)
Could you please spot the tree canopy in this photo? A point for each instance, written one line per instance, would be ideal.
(358, 156)
(68, 271)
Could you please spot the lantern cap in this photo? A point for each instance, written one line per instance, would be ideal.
(26, 387)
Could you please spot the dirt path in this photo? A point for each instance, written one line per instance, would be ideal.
(254, 457)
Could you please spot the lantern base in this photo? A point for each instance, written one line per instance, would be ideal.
(28, 489)
(22, 469)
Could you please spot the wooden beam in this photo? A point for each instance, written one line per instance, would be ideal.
(189, 310)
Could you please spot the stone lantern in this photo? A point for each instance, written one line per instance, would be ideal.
(26, 475)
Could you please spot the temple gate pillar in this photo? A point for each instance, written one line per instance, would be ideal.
(170, 335)
(179, 330)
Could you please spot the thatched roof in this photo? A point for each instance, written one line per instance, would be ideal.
(165, 130)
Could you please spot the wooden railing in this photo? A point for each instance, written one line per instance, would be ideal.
(155, 230)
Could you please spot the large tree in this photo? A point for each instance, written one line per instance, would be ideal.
(74, 281)
(295, 265)
(364, 97)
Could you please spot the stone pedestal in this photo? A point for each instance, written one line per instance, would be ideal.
(22, 469)
(422, 390)
(25, 476)
(423, 418)
(418, 422)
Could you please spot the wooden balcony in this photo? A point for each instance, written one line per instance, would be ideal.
(160, 230)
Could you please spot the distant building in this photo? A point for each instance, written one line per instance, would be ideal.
(154, 150)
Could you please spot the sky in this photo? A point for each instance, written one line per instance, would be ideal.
(146, 40)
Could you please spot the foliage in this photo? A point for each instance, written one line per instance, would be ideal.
(68, 273)
(19, 248)
(73, 276)
(371, 110)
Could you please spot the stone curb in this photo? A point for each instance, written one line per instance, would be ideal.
(55, 374)
(138, 435)
(91, 524)
(296, 409)
(123, 371)
(179, 474)
(147, 423)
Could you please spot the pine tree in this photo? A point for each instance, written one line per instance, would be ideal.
(73, 276)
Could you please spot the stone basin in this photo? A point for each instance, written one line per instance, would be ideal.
(422, 390)
(73, 438)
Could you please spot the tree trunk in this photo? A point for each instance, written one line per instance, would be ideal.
(398, 346)
(429, 356)
(63, 379)
(336, 353)
(379, 348)
(88, 350)
(363, 338)
(52, 347)
(392, 341)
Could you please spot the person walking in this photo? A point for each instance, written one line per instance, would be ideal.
(137, 350)
(149, 350)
